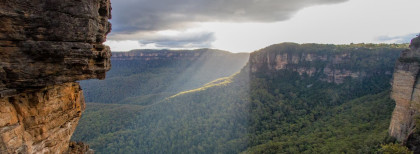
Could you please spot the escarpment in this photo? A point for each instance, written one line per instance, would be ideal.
(330, 63)
(406, 93)
(45, 46)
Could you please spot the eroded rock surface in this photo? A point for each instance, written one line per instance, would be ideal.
(40, 122)
(406, 92)
(45, 46)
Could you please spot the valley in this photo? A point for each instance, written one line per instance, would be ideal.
(293, 98)
(207, 77)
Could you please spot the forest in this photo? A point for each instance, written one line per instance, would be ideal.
(262, 111)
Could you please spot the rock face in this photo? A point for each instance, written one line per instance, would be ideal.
(406, 92)
(332, 64)
(45, 46)
(41, 121)
(48, 42)
(287, 60)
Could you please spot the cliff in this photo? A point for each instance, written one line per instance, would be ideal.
(45, 46)
(405, 92)
(330, 63)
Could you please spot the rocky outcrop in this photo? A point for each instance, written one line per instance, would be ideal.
(406, 92)
(329, 63)
(45, 46)
(80, 148)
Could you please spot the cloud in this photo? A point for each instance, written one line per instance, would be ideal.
(125, 45)
(162, 40)
(131, 16)
(147, 21)
(181, 40)
(397, 39)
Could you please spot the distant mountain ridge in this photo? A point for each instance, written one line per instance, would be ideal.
(149, 54)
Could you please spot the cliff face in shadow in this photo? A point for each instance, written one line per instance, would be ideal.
(45, 46)
(406, 93)
(329, 63)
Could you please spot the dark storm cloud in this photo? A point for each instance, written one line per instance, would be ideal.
(151, 15)
(189, 40)
(398, 39)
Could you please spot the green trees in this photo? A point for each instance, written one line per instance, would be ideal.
(394, 149)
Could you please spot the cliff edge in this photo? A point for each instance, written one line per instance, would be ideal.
(406, 92)
(45, 46)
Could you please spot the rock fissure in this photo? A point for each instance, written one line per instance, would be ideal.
(415, 84)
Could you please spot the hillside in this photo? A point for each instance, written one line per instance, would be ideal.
(146, 76)
(335, 100)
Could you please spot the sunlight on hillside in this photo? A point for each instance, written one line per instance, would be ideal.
(219, 82)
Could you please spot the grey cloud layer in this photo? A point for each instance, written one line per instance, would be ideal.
(188, 40)
(140, 19)
(150, 15)
(398, 39)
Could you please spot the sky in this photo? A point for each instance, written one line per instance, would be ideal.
(249, 25)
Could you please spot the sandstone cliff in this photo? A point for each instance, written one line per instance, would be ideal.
(45, 46)
(330, 63)
(405, 92)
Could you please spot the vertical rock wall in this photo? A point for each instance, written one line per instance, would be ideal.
(41, 122)
(406, 92)
(330, 63)
(45, 46)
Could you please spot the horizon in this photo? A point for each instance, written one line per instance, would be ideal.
(192, 49)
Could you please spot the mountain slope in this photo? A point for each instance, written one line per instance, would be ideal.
(147, 76)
